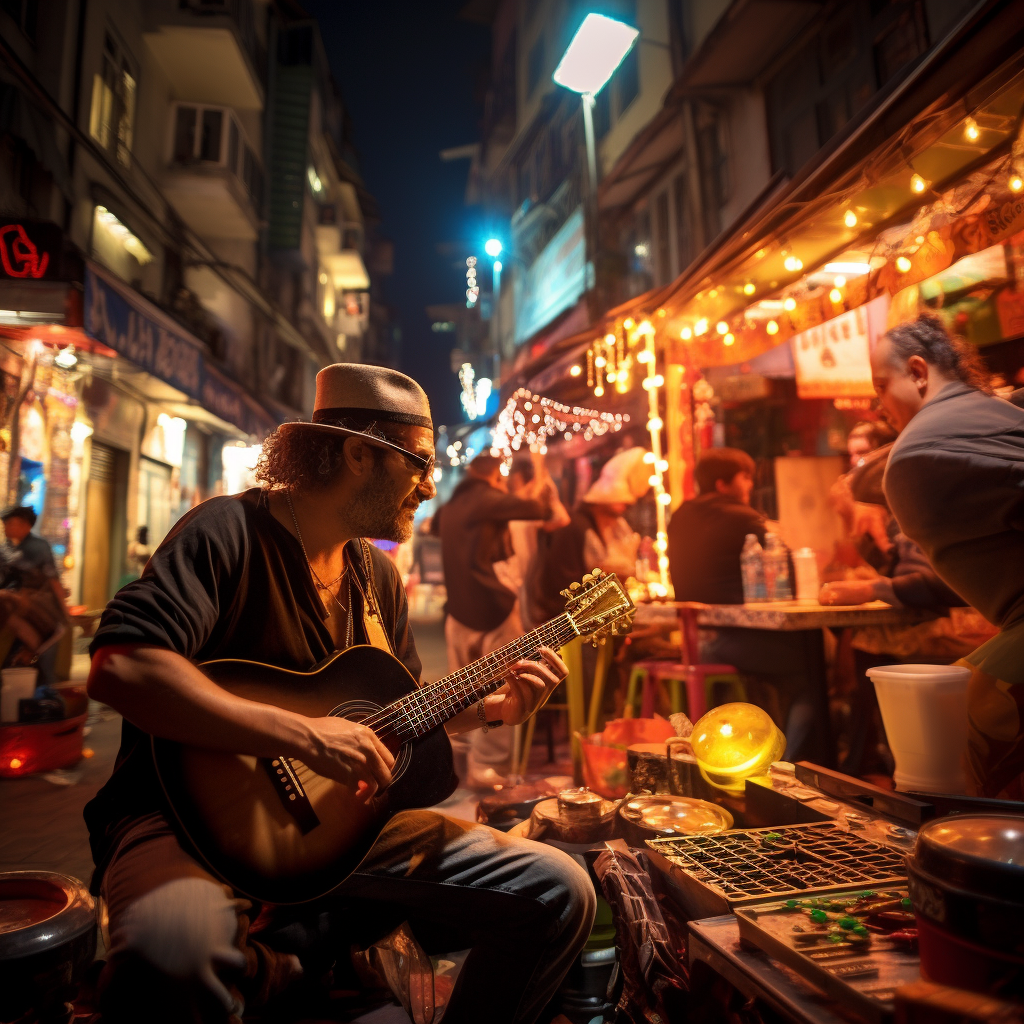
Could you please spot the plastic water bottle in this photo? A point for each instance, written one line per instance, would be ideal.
(776, 569)
(752, 569)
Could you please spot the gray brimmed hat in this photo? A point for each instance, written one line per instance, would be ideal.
(346, 391)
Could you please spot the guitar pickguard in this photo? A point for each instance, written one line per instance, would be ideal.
(359, 711)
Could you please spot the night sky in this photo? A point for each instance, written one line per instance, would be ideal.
(408, 73)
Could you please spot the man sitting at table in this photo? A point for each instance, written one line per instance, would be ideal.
(705, 538)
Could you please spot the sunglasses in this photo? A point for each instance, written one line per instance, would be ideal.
(424, 463)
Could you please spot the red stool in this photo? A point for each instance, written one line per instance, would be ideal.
(697, 681)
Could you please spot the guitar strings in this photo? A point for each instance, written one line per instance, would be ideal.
(418, 704)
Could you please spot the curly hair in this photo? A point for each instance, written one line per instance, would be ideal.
(308, 459)
(928, 338)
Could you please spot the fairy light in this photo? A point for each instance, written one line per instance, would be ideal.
(686, 333)
(1016, 183)
(918, 184)
(653, 383)
(575, 371)
(971, 130)
(600, 362)
(749, 288)
(902, 264)
(530, 420)
(722, 327)
(789, 304)
(850, 219)
(729, 339)
(793, 264)
(835, 295)
(700, 327)
(598, 391)
(772, 327)
(629, 323)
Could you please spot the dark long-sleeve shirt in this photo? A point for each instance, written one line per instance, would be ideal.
(474, 535)
(705, 538)
(955, 482)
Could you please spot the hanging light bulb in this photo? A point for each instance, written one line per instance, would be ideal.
(655, 423)
(835, 295)
(793, 264)
(839, 281)
(665, 499)
(600, 361)
(629, 323)
(729, 339)
(644, 356)
(789, 304)
(850, 219)
(722, 327)
(609, 339)
(749, 288)
(918, 184)
(598, 391)
(662, 465)
(686, 333)
(650, 458)
(971, 130)
(772, 327)
(700, 327)
(575, 371)
(1016, 183)
(902, 264)
(654, 480)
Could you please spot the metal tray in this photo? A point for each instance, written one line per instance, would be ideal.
(863, 982)
(714, 874)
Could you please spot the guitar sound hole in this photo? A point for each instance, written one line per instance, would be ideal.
(359, 711)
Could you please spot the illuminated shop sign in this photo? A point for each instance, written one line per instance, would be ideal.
(29, 251)
(833, 360)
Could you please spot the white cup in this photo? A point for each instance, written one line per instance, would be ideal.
(805, 568)
(15, 684)
(924, 709)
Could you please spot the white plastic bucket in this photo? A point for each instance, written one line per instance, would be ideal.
(15, 684)
(924, 709)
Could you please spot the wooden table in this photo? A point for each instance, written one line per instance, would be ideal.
(804, 619)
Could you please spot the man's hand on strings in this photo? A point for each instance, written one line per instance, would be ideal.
(528, 685)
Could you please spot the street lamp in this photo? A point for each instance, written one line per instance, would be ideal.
(492, 247)
(598, 48)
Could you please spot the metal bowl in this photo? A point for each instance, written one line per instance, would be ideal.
(662, 814)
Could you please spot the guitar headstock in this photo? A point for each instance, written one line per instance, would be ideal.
(599, 606)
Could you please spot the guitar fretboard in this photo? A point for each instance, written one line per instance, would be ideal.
(436, 703)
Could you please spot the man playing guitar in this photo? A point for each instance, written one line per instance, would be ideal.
(280, 575)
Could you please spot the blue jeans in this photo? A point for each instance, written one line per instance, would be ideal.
(524, 909)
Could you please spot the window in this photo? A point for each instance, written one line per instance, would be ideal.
(664, 261)
(627, 79)
(535, 65)
(212, 135)
(24, 13)
(685, 242)
(112, 115)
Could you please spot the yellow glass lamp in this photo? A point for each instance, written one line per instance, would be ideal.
(736, 742)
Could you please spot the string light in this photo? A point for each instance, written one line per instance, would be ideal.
(643, 356)
(839, 281)
(729, 339)
(789, 304)
(971, 130)
(836, 295)
(772, 327)
(530, 419)
(850, 219)
(700, 327)
(902, 264)
(749, 288)
(722, 327)
(575, 371)
(609, 339)
(686, 333)
(598, 391)
(472, 289)
(918, 184)
(1016, 183)
(629, 323)
(793, 264)
(600, 361)
(653, 382)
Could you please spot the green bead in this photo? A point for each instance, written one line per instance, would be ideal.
(819, 915)
(835, 938)
(791, 904)
(848, 922)
(859, 929)
(906, 902)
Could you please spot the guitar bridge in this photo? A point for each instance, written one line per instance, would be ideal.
(291, 793)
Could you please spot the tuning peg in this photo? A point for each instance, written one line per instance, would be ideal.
(587, 578)
(574, 586)
(596, 574)
(566, 593)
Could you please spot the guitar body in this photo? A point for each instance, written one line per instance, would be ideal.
(272, 828)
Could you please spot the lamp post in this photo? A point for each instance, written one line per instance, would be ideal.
(598, 48)
(493, 249)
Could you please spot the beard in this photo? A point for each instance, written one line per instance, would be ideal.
(378, 512)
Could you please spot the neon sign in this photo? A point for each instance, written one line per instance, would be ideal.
(21, 256)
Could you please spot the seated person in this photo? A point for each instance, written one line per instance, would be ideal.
(705, 537)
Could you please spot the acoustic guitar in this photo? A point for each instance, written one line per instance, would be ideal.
(272, 828)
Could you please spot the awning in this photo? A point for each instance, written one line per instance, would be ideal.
(120, 318)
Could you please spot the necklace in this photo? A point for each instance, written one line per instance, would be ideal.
(349, 636)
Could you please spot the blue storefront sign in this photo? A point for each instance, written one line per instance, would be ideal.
(124, 321)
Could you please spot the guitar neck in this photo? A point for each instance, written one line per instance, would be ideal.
(437, 703)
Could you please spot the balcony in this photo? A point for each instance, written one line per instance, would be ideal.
(209, 49)
(214, 178)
